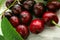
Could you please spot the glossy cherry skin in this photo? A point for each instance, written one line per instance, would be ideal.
(8, 14)
(9, 2)
(48, 17)
(28, 4)
(51, 7)
(14, 21)
(22, 30)
(17, 9)
(38, 9)
(25, 17)
(57, 3)
(36, 26)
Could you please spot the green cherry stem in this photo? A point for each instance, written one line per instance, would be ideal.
(55, 23)
(18, 1)
(8, 8)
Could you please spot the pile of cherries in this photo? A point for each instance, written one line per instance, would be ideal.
(30, 16)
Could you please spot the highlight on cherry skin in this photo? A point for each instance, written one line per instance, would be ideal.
(36, 26)
(50, 18)
(53, 6)
(23, 30)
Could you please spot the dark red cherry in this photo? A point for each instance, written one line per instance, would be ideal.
(37, 26)
(9, 2)
(51, 7)
(16, 9)
(39, 9)
(14, 21)
(57, 3)
(25, 17)
(8, 14)
(28, 5)
(23, 31)
(48, 17)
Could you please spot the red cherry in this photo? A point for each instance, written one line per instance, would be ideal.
(14, 21)
(51, 7)
(22, 30)
(48, 17)
(36, 26)
(25, 17)
(9, 2)
(38, 9)
(16, 9)
(8, 14)
(57, 3)
(28, 4)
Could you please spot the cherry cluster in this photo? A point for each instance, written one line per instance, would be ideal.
(30, 16)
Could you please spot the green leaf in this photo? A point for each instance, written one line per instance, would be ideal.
(1, 38)
(8, 31)
(2, 2)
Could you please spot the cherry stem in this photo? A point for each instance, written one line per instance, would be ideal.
(8, 8)
(18, 1)
(55, 23)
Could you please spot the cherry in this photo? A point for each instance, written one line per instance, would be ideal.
(8, 14)
(14, 21)
(38, 9)
(57, 3)
(9, 2)
(48, 17)
(22, 30)
(25, 17)
(16, 9)
(37, 26)
(51, 7)
(28, 4)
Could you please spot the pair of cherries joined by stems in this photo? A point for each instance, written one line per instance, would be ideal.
(21, 16)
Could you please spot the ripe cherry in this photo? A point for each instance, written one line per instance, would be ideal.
(25, 17)
(48, 17)
(9, 2)
(8, 14)
(14, 21)
(22, 30)
(57, 3)
(51, 7)
(37, 26)
(38, 9)
(16, 9)
(28, 4)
